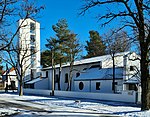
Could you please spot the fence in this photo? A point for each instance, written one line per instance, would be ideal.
(125, 96)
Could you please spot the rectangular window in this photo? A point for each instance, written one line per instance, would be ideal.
(98, 85)
(31, 74)
(131, 68)
(33, 50)
(46, 74)
(32, 38)
(132, 87)
(32, 27)
(66, 78)
(32, 62)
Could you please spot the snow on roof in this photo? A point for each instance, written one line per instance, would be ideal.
(9, 71)
(90, 60)
(104, 73)
(133, 80)
(33, 81)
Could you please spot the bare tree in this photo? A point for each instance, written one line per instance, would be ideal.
(18, 56)
(134, 15)
(115, 43)
(10, 12)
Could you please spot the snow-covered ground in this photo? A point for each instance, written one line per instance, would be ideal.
(68, 106)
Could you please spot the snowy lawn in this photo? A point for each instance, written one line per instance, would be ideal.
(72, 105)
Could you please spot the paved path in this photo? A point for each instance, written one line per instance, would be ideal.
(42, 110)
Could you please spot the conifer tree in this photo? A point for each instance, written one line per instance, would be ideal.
(95, 47)
(72, 49)
(45, 58)
(66, 47)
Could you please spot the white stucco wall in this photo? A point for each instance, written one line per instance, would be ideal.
(108, 62)
(42, 84)
(131, 60)
(64, 71)
(126, 96)
(106, 85)
(90, 86)
(86, 86)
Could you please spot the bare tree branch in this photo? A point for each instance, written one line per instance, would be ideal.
(137, 18)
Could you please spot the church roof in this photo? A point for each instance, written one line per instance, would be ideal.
(100, 74)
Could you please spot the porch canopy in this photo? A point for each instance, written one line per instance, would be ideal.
(33, 81)
(97, 74)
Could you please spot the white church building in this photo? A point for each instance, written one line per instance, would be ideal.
(94, 75)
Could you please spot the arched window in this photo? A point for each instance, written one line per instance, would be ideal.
(66, 78)
(81, 85)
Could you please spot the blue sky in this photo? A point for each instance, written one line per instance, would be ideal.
(68, 9)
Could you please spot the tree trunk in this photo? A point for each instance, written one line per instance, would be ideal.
(145, 80)
(113, 82)
(53, 80)
(69, 81)
(68, 85)
(21, 89)
(59, 76)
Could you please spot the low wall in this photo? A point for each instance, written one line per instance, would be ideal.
(126, 96)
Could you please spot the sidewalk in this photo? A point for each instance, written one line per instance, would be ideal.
(23, 107)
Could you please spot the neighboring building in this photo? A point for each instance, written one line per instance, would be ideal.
(29, 38)
(95, 74)
(10, 78)
(1, 80)
(1, 84)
